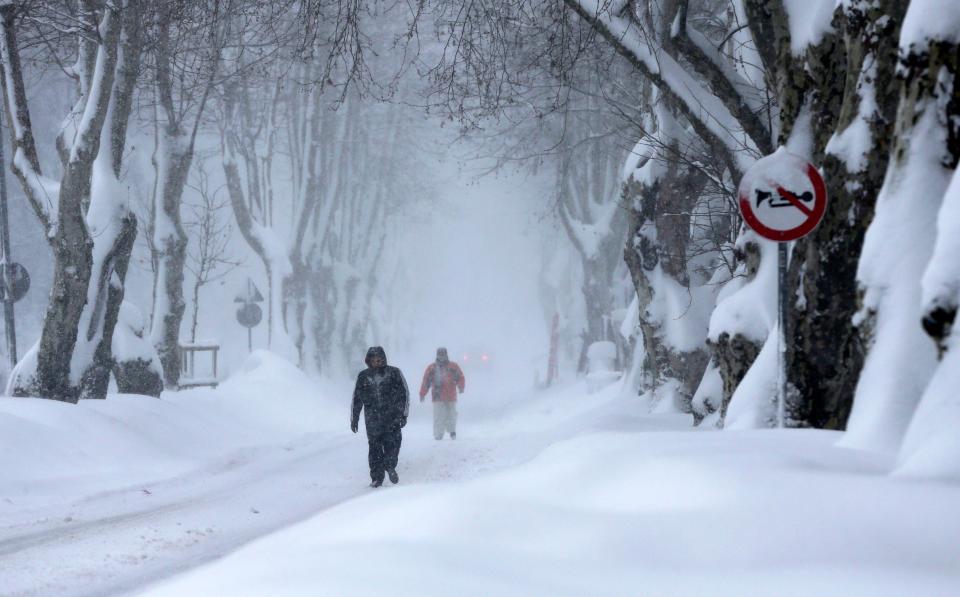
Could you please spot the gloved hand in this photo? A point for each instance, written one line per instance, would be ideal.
(354, 425)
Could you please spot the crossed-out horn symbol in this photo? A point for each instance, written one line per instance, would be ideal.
(785, 198)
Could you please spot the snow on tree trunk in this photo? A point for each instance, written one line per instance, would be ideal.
(170, 242)
(744, 315)
(931, 447)
(900, 245)
(137, 366)
(660, 198)
(824, 354)
(589, 214)
(55, 368)
(113, 228)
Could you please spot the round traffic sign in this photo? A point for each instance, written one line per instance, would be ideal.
(249, 315)
(19, 282)
(782, 197)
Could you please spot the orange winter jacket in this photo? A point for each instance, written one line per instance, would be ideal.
(443, 380)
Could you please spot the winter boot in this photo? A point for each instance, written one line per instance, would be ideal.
(376, 483)
(394, 477)
(453, 435)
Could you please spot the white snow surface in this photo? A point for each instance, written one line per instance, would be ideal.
(553, 492)
(809, 21)
(931, 448)
(130, 341)
(930, 20)
(622, 513)
(749, 307)
(941, 280)
(752, 405)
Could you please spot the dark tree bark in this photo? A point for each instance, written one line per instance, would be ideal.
(119, 230)
(825, 353)
(54, 376)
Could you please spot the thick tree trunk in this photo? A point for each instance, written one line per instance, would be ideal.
(898, 247)
(105, 295)
(734, 354)
(657, 254)
(598, 301)
(170, 241)
(825, 354)
(57, 370)
(113, 225)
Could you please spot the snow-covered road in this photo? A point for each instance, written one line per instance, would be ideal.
(258, 488)
(118, 540)
(123, 535)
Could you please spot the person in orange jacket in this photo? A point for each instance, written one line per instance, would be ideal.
(445, 379)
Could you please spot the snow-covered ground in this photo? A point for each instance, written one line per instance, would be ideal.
(259, 488)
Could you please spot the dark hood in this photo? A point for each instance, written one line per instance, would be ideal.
(375, 351)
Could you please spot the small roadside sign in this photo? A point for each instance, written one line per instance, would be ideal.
(249, 315)
(782, 197)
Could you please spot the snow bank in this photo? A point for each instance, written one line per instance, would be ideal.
(775, 513)
(54, 451)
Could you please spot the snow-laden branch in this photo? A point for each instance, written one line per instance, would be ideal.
(41, 192)
(740, 96)
(707, 113)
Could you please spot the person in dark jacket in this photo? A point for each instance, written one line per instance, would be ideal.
(381, 393)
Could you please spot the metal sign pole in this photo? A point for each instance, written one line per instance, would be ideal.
(782, 302)
(782, 197)
(6, 262)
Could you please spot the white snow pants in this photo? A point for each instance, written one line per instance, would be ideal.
(444, 418)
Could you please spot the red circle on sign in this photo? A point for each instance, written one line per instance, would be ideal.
(814, 214)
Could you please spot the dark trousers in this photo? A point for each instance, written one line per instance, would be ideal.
(384, 451)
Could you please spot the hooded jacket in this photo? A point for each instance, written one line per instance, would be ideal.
(381, 393)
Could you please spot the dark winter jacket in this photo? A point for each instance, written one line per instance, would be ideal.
(381, 392)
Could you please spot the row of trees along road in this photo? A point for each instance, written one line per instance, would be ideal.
(866, 90)
(283, 89)
(649, 111)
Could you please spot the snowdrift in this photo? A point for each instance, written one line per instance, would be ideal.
(54, 451)
(756, 512)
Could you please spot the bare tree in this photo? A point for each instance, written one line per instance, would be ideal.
(208, 252)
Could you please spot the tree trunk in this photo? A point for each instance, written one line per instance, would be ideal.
(170, 241)
(113, 225)
(898, 247)
(825, 354)
(659, 203)
(734, 354)
(57, 370)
